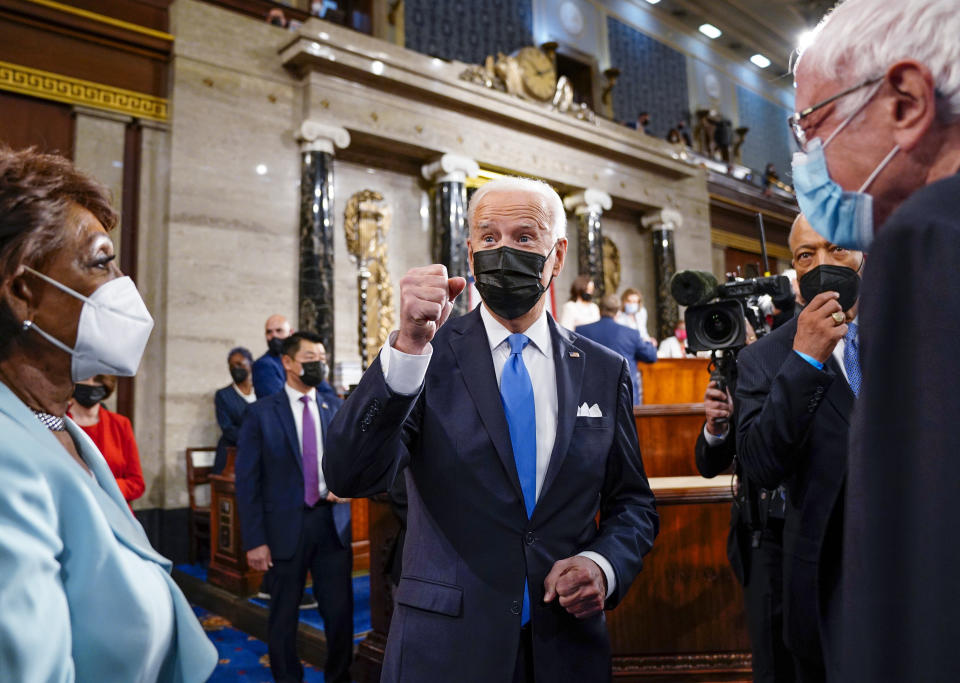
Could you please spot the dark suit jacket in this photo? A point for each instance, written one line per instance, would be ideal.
(623, 340)
(268, 375)
(269, 472)
(469, 545)
(793, 425)
(230, 408)
(901, 555)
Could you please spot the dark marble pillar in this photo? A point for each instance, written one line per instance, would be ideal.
(662, 225)
(316, 299)
(449, 216)
(589, 206)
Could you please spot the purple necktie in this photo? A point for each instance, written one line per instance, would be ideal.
(311, 477)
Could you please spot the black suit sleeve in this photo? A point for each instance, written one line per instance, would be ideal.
(628, 517)
(714, 460)
(249, 483)
(369, 438)
(777, 398)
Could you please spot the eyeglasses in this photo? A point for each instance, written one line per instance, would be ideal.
(799, 134)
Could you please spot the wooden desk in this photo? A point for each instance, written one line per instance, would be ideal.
(683, 618)
(674, 380)
(228, 560)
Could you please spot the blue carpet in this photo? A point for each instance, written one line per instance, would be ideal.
(242, 658)
(361, 601)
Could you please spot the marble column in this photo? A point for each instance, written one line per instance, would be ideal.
(317, 220)
(662, 225)
(588, 206)
(449, 215)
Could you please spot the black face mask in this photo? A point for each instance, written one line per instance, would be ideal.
(587, 296)
(509, 279)
(89, 395)
(275, 346)
(839, 279)
(314, 373)
(239, 374)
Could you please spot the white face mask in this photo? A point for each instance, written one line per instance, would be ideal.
(112, 333)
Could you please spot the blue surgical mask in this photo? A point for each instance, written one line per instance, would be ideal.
(631, 308)
(844, 218)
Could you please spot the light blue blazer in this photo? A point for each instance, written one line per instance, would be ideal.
(72, 603)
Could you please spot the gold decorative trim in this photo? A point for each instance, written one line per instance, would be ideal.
(103, 19)
(51, 86)
(725, 238)
(752, 209)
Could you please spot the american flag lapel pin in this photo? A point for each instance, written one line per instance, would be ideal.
(574, 354)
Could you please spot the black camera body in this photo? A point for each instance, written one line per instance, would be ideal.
(716, 313)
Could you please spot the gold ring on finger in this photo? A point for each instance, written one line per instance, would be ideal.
(837, 317)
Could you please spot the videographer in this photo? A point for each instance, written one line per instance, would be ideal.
(794, 395)
(755, 543)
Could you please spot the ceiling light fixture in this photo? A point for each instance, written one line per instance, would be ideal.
(760, 61)
(653, 2)
(710, 31)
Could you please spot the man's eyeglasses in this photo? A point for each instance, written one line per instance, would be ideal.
(794, 120)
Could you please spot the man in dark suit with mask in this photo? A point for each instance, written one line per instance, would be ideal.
(794, 395)
(512, 433)
(269, 375)
(290, 522)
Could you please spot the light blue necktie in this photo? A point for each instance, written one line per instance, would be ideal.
(851, 357)
(516, 393)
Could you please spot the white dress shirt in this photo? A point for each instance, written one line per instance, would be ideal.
(404, 374)
(296, 405)
(249, 398)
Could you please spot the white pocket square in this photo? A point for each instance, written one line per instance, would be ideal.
(589, 411)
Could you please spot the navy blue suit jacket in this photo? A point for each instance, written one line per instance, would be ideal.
(793, 423)
(269, 475)
(623, 340)
(230, 408)
(469, 545)
(268, 375)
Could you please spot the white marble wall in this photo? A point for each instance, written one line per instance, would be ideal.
(230, 249)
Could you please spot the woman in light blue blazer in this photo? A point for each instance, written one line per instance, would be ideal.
(83, 595)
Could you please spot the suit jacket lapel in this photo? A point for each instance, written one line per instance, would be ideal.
(840, 394)
(569, 378)
(124, 525)
(471, 349)
(285, 415)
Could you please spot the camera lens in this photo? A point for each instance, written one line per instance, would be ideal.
(719, 327)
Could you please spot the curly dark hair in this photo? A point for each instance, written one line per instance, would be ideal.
(37, 194)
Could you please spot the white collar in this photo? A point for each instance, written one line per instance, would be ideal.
(538, 332)
(295, 395)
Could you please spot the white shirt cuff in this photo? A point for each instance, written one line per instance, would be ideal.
(713, 439)
(605, 566)
(403, 372)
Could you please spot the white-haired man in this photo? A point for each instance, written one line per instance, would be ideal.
(512, 433)
(878, 94)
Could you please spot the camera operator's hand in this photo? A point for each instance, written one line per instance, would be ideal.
(718, 405)
(817, 331)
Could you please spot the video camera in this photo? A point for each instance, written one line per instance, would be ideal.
(716, 314)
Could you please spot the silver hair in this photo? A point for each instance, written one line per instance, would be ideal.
(555, 211)
(861, 39)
